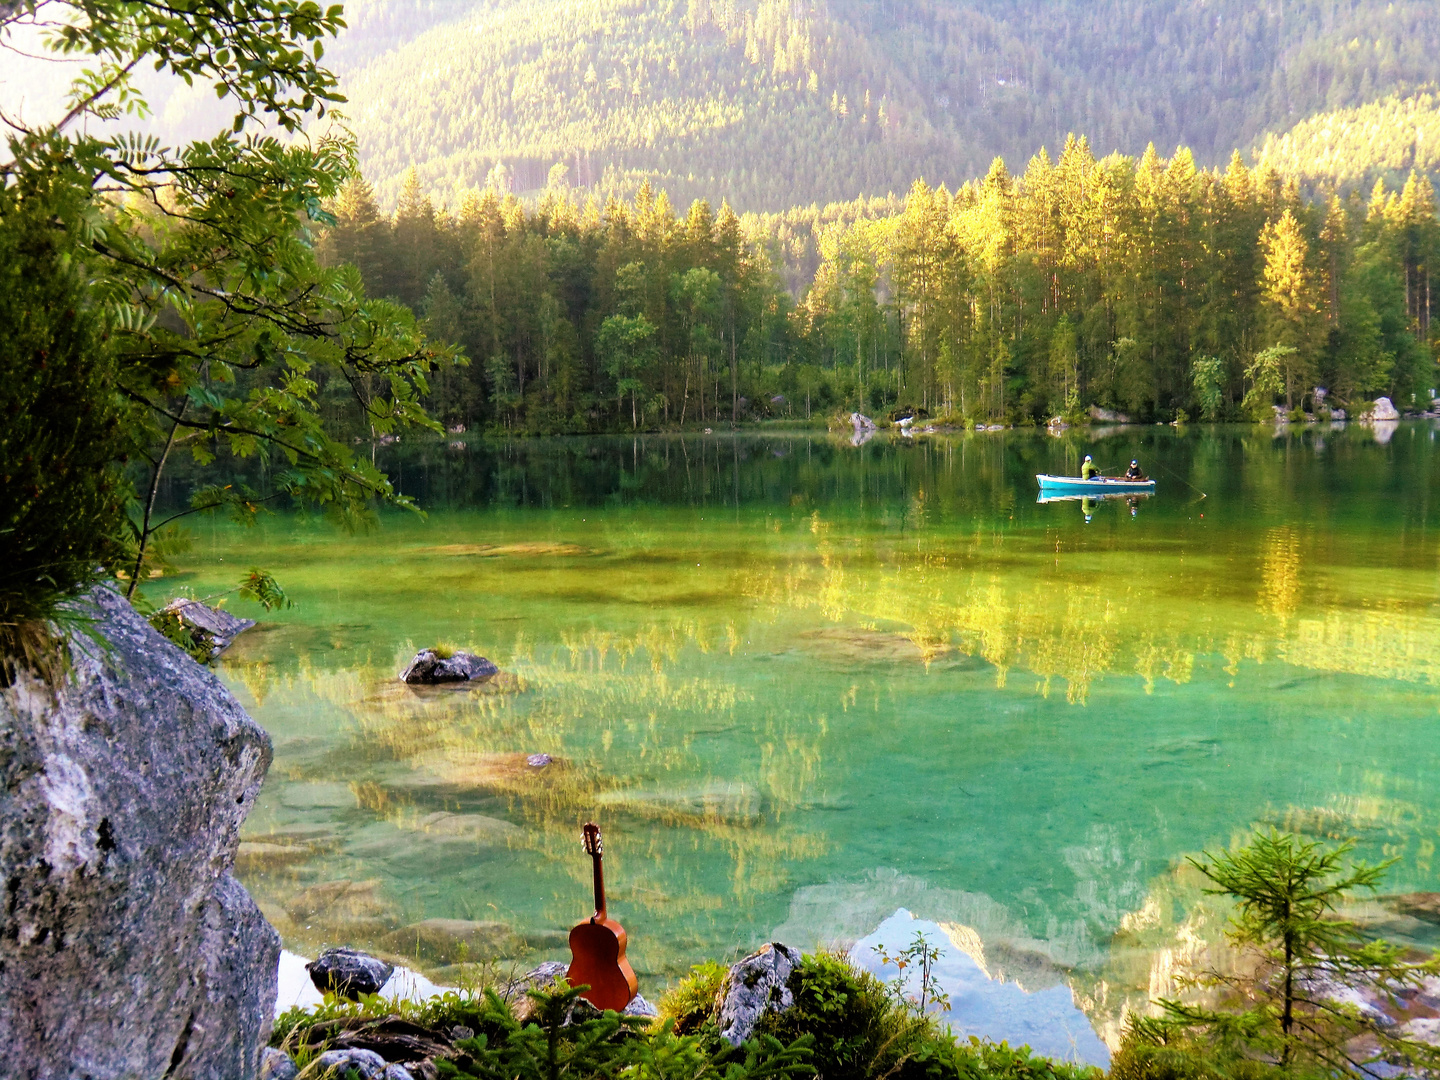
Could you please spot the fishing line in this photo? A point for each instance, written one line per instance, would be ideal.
(1182, 480)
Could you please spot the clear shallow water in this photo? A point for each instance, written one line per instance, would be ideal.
(803, 685)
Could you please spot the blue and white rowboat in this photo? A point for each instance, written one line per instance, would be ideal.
(1100, 485)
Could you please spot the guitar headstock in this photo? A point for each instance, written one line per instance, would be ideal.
(593, 844)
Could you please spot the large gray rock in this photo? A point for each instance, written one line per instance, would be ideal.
(1382, 409)
(126, 947)
(754, 986)
(429, 667)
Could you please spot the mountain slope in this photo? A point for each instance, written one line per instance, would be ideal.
(1352, 148)
(770, 103)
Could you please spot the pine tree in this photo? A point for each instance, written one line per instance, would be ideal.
(1292, 301)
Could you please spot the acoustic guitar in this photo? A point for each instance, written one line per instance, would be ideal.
(597, 945)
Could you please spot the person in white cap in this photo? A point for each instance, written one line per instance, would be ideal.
(1088, 469)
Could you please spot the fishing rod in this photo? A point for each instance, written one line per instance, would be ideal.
(1167, 472)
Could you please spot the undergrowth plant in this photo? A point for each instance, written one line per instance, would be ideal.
(921, 955)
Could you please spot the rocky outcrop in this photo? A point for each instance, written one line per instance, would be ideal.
(455, 941)
(862, 427)
(126, 947)
(549, 977)
(1381, 409)
(216, 627)
(430, 667)
(1108, 416)
(754, 986)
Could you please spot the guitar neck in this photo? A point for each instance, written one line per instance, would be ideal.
(599, 885)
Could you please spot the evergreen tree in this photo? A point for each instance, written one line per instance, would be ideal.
(1292, 303)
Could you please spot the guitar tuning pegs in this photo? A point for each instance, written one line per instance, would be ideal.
(593, 844)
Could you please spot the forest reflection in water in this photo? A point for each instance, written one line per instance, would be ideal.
(803, 685)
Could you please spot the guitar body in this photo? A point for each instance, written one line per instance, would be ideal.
(597, 945)
(597, 952)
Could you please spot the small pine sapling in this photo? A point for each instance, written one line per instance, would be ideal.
(1292, 999)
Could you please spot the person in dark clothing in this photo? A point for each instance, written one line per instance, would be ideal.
(1088, 469)
(1134, 473)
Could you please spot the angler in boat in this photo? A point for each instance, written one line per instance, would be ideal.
(1088, 469)
(1133, 472)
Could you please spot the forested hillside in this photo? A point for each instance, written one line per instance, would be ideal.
(1347, 148)
(774, 103)
(1145, 284)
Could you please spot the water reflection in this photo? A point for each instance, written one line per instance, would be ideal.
(773, 665)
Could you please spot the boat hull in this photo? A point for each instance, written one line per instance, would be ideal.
(1101, 485)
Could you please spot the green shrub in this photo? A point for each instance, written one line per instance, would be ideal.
(1154, 1050)
(691, 1003)
(548, 1048)
(62, 440)
(860, 1029)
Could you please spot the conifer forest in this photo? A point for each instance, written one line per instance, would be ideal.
(1148, 286)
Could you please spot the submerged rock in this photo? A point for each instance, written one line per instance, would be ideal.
(356, 907)
(349, 973)
(1419, 905)
(429, 667)
(731, 802)
(217, 627)
(754, 986)
(453, 941)
(126, 946)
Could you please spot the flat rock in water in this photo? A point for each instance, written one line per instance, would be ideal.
(453, 941)
(218, 626)
(429, 668)
(477, 827)
(734, 803)
(258, 855)
(753, 987)
(1418, 905)
(357, 907)
(349, 973)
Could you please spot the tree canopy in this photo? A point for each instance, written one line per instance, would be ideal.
(1144, 285)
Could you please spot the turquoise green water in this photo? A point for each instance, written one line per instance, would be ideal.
(801, 684)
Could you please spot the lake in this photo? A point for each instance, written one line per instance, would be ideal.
(803, 686)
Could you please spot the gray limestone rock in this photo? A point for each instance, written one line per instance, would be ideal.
(545, 977)
(276, 1065)
(754, 986)
(369, 1064)
(428, 667)
(349, 973)
(1381, 409)
(126, 947)
(640, 1007)
(218, 627)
